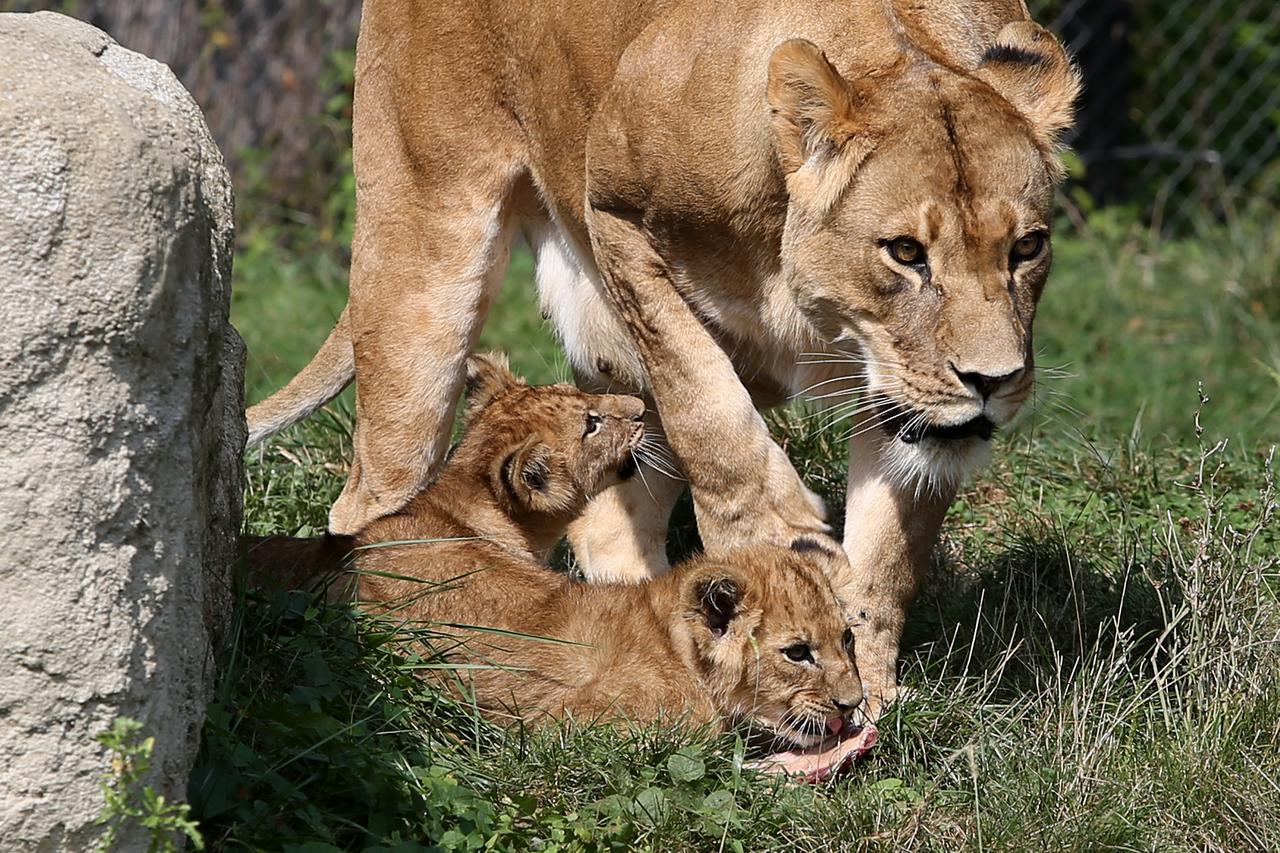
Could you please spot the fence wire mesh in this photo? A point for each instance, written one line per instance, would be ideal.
(1181, 109)
(1180, 116)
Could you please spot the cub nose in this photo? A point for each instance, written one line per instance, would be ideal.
(629, 407)
(984, 384)
(846, 704)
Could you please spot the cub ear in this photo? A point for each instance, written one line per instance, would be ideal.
(816, 112)
(828, 555)
(718, 600)
(487, 377)
(525, 473)
(1031, 70)
(532, 479)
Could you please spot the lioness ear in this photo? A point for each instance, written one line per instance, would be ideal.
(718, 600)
(488, 376)
(814, 109)
(1030, 69)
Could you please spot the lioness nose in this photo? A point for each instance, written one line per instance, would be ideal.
(983, 383)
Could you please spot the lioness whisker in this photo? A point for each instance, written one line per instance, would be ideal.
(839, 416)
(884, 417)
(836, 357)
(846, 409)
(832, 395)
(883, 414)
(858, 382)
(855, 378)
(840, 413)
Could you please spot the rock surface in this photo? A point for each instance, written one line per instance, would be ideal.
(121, 426)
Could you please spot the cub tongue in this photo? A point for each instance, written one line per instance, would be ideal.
(835, 724)
(817, 763)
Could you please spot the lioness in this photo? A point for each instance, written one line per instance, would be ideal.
(731, 202)
(756, 635)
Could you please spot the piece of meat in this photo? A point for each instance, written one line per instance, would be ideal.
(822, 761)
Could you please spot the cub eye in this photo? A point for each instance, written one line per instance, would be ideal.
(799, 652)
(847, 639)
(906, 251)
(594, 422)
(1026, 247)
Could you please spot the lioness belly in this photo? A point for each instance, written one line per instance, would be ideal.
(573, 301)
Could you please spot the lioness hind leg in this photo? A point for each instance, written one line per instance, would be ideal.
(415, 320)
(434, 223)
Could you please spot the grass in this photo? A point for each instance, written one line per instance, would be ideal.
(1094, 662)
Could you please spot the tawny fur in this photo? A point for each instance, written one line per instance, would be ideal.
(641, 652)
(705, 643)
(529, 461)
(712, 188)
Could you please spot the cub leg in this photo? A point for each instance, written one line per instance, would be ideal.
(622, 535)
(890, 530)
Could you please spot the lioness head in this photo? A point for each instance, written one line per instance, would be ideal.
(551, 448)
(765, 632)
(917, 234)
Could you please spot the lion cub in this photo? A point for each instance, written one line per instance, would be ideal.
(529, 460)
(755, 635)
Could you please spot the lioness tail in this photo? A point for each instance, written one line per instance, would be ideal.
(329, 371)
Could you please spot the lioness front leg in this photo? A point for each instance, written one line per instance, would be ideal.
(744, 488)
(890, 530)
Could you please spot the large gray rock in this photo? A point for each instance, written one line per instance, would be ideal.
(121, 430)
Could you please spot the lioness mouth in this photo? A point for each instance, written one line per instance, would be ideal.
(909, 428)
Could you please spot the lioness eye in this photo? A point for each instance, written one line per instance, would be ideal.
(1027, 247)
(847, 639)
(798, 652)
(906, 251)
(594, 422)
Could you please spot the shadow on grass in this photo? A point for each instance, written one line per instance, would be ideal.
(1032, 608)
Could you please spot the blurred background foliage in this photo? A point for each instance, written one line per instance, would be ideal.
(1181, 111)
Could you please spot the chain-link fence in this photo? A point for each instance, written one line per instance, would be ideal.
(1181, 109)
(1180, 116)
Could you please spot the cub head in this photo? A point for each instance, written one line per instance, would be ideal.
(765, 632)
(548, 449)
(917, 236)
